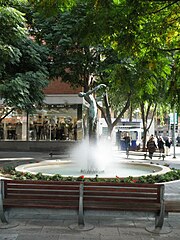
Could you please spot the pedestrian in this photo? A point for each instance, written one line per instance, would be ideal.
(168, 143)
(161, 146)
(151, 146)
(127, 142)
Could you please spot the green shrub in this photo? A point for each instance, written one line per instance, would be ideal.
(56, 177)
(8, 170)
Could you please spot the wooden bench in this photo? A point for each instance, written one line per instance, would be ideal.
(136, 153)
(144, 154)
(39, 194)
(83, 197)
(60, 154)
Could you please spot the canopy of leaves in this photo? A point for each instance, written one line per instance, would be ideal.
(73, 58)
(23, 73)
(125, 43)
(130, 45)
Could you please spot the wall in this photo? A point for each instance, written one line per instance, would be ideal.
(62, 147)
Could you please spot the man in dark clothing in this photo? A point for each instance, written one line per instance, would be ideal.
(127, 142)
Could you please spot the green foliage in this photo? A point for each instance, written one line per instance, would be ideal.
(12, 24)
(125, 44)
(8, 169)
(72, 59)
(57, 177)
(23, 71)
(28, 175)
(51, 7)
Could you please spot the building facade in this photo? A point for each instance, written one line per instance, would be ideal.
(58, 119)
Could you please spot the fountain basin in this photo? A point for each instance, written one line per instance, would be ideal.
(70, 168)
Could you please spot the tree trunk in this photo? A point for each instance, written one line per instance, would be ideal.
(145, 116)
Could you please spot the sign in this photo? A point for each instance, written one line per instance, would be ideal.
(171, 117)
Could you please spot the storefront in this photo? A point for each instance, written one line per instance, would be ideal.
(56, 120)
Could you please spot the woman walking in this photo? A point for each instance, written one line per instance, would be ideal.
(161, 146)
(151, 146)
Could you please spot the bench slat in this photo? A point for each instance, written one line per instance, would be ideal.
(38, 182)
(125, 185)
(42, 197)
(122, 207)
(41, 185)
(121, 189)
(37, 204)
(136, 195)
(123, 200)
(41, 191)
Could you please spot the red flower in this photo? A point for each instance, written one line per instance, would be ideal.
(82, 176)
(134, 180)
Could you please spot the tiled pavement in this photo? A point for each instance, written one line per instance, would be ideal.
(51, 227)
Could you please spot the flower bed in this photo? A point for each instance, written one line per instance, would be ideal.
(173, 175)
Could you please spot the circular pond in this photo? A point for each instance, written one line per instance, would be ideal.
(69, 168)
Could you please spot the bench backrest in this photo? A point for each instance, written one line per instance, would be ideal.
(90, 195)
(123, 196)
(52, 194)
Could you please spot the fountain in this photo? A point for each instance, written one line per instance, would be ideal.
(92, 157)
(75, 166)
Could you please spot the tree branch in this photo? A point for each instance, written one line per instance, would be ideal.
(170, 49)
(6, 114)
(122, 112)
(168, 5)
(105, 112)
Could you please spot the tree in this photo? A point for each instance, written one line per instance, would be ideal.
(120, 43)
(77, 52)
(152, 28)
(23, 73)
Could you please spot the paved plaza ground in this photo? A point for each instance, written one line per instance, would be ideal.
(54, 225)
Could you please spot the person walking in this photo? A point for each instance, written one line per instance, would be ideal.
(151, 146)
(168, 143)
(161, 146)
